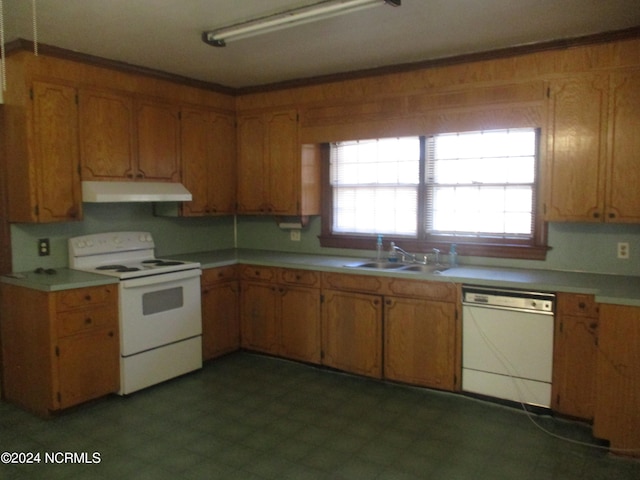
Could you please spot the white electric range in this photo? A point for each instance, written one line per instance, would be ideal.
(160, 315)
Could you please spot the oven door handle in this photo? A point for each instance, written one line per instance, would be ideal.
(160, 278)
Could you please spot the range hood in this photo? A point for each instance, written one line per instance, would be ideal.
(104, 192)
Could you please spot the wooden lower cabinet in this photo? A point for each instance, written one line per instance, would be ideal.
(280, 313)
(617, 406)
(574, 356)
(300, 323)
(352, 332)
(259, 330)
(420, 342)
(220, 312)
(59, 348)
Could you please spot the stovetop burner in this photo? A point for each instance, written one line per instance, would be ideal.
(118, 268)
(163, 263)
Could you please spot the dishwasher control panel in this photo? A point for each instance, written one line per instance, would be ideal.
(505, 298)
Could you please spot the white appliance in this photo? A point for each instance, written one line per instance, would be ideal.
(160, 315)
(507, 344)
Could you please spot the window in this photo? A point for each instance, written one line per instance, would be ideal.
(475, 189)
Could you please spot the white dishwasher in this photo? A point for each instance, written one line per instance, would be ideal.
(507, 344)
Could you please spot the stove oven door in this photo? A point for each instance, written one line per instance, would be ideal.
(159, 310)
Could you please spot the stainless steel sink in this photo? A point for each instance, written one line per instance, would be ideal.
(419, 268)
(425, 268)
(374, 264)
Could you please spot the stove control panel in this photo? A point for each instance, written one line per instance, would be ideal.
(100, 243)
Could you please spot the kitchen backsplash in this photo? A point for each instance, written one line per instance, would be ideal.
(575, 247)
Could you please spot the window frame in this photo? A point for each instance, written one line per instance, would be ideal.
(534, 249)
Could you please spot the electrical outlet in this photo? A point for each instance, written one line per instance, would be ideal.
(295, 235)
(623, 250)
(44, 248)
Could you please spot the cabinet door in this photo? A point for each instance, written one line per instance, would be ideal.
(220, 319)
(300, 323)
(88, 366)
(106, 135)
(419, 342)
(158, 129)
(55, 140)
(194, 146)
(352, 332)
(574, 366)
(617, 415)
(623, 194)
(258, 317)
(251, 164)
(576, 149)
(284, 159)
(222, 164)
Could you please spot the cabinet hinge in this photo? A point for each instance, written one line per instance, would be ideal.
(560, 326)
(36, 210)
(57, 352)
(79, 169)
(321, 298)
(322, 354)
(77, 99)
(31, 93)
(548, 92)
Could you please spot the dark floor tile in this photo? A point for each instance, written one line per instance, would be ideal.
(249, 417)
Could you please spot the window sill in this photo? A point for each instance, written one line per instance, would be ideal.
(512, 251)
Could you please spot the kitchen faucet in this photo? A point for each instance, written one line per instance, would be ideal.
(412, 257)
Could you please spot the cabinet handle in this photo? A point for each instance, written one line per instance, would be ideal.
(596, 215)
(612, 215)
(88, 321)
(581, 305)
(139, 175)
(111, 334)
(593, 326)
(87, 298)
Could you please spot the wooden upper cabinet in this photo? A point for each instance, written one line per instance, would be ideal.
(106, 135)
(623, 173)
(54, 136)
(593, 145)
(208, 154)
(127, 138)
(158, 140)
(576, 148)
(276, 175)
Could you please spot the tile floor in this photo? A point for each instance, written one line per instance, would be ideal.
(253, 417)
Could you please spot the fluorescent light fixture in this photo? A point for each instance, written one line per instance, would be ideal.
(289, 18)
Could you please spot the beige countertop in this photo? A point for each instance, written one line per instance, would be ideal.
(615, 289)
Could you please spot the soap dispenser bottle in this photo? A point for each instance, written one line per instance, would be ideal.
(379, 249)
(453, 256)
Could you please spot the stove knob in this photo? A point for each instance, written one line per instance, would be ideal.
(117, 240)
(89, 243)
(81, 244)
(148, 237)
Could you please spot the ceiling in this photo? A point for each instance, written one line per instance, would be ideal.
(165, 35)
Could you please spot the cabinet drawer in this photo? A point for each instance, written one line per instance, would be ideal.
(85, 319)
(221, 274)
(354, 283)
(440, 291)
(307, 278)
(576, 304)
(253, 272)
(82, 297)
